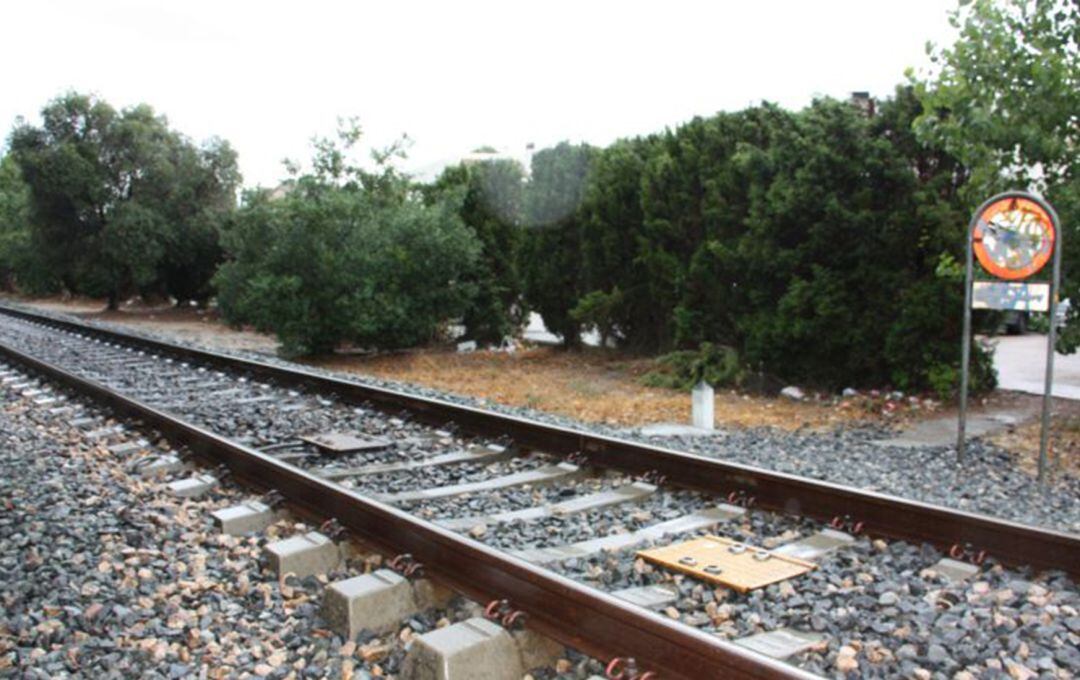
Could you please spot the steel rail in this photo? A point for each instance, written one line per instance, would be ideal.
(584, 618)
(880, 514)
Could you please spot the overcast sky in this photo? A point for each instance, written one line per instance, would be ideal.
(456, 74)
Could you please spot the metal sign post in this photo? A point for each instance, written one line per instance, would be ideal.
(1013, 235)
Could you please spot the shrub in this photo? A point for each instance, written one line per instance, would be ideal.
(944, 378)
(599, 310)
(551, 254)
(717, 365)
(809, 242)
(329, 264)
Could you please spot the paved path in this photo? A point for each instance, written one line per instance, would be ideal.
(1020, 361)
(942, 431)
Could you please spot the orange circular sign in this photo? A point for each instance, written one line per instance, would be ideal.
(1013, 238)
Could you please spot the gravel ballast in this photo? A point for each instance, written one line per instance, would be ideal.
(881, 608)
(106, 575)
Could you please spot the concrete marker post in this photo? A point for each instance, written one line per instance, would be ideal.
(702, 406)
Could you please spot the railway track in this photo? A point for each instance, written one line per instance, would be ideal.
(545, 518)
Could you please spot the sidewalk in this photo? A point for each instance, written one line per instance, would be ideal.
(1020, 361)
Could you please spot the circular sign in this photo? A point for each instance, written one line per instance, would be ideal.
(1013, 238)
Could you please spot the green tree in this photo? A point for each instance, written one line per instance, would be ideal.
(20, 266)
(612, 236)
(120, 203)
(348, 255)
(807, 244)
(1005, 100)
(1005, 97)
(551, 257)
(490, 194)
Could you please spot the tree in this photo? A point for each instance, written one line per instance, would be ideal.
(120, 203)
(1005, 100)
(490, 195)
(349, 255)
(551, 256)
(20, 266)
(202, 198)
(612, 233)
(808, 245)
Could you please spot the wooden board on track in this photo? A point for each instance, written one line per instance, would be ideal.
(726, 562)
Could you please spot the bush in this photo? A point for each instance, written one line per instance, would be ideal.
(551, 254)
(807, 242)
(717, 365)
(599, 310)
(329, 264)
(944, 379)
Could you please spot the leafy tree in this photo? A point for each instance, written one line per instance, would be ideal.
(551, 260)
(1005, 100)
(20, 265)
(490, 194)
(1005, 97)
(202, 198)
(348, 255)
(807, 244)
(613, 228)
(119, 203)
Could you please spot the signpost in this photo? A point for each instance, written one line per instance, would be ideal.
(1013, 235)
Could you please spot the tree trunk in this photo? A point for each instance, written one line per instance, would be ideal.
(114, 301)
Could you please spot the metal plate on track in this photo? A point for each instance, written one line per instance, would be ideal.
(343, 442)
(954, 570)
(726, 562)
(781, 643)
(813, 547)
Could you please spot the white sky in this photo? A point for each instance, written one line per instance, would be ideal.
(454, 74)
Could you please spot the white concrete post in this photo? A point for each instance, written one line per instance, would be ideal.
(702, 396)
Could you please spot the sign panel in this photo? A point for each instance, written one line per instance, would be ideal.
(1020, 297)
(1013, 237)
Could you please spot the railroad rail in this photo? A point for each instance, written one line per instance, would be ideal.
(584, 618)
(880, 514)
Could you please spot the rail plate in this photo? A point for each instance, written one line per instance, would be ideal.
(343, 442)
(728, 563)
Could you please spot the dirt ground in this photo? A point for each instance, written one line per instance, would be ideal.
(188, 324)
(1063, 452)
